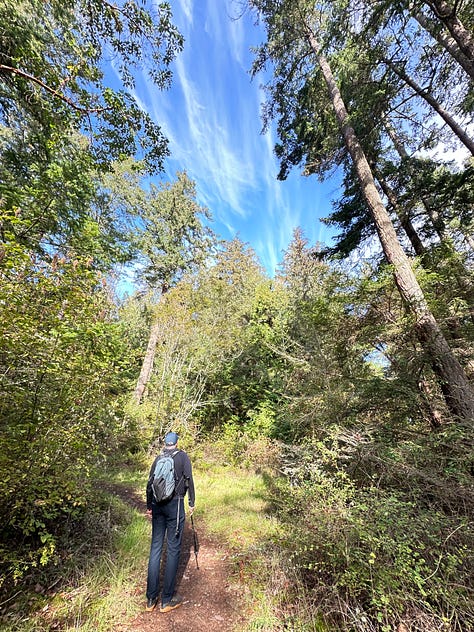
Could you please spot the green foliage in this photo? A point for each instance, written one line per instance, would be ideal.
(210, 366)
(52, 82)
(102, 557)
(66, 360)
(63, 367)
(385, 553)
(376, 495)
(134, 316)
(171, 235)
(373, 502)
(261, 421)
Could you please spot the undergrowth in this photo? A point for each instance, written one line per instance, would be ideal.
(238, 509)
(99, 561)
(314, 545)
(102, 561)
(375, 538)
(232, 504)
(370, 555)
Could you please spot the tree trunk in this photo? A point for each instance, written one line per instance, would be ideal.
(405, 221)
(448, 43)
(420, 250)
(457, 390)
(432, 212)
(432, 403)
(469, 240)
(447, 118)
(447, 15)
(436, 220)
(147, 365)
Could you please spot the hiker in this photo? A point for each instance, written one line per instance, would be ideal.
(167, 517)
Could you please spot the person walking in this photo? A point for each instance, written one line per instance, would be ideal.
(168, 517)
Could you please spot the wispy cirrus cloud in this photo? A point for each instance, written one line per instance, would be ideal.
(186, 7)
(211, 116)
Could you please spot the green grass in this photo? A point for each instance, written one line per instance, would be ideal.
(97, 582)
(233, 506)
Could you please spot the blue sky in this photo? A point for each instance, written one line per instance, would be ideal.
(211, 116)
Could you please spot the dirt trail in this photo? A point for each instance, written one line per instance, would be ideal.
(210, 602)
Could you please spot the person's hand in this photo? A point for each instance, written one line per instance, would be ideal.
(148, 512)
(191, 510)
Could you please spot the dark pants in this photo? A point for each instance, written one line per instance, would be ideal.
(164, 520)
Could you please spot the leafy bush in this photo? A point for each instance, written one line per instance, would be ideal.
(372, 552)
(61, 364)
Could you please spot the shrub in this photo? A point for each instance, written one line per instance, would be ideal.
(371, 552)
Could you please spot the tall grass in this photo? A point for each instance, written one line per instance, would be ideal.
(100, 582)
(232, 502)
(90, 589)
(325, 555)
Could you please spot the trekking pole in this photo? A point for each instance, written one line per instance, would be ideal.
(196, 543)
(177, 520)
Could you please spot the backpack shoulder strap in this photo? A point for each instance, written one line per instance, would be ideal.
(178, 480)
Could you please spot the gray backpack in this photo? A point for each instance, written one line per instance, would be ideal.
(164, 481)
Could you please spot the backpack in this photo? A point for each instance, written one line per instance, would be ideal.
(164, 481)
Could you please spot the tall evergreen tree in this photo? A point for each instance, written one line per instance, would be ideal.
(294, 31)
(172, 239)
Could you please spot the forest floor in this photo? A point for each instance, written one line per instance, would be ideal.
(211, 597)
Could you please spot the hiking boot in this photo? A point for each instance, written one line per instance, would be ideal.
(175, 602)
(151, 604)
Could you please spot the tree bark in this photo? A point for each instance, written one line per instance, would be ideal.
(447, 118)
(447, 15)
(147, 365)
(448, 43)
(148, 360)
(469, 240)
(432, 212)
(432, 403)
(457, 390)
(405, 221)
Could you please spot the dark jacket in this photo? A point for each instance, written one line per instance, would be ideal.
(183, 475)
